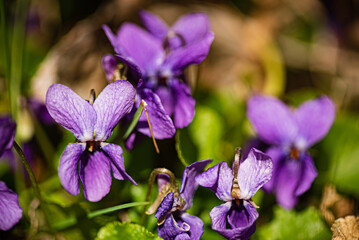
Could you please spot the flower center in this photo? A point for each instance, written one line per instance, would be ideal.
(294, 153)
(92, 145)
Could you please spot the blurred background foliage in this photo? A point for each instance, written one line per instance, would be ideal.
(295, 50)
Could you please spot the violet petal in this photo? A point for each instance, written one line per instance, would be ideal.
(314, 119)
(192, 27)
(7, 131)
(162, 180)
(167, 97)
(253, 173)
(195, 224)
(114, 152)
(113, 103)
(309, 173)
(172, 227)
(189, 184)
(272, 120)
(134, 71)
(109, 65)
(10, 210)
(140, 45)
(95, 174)
(154, 24)
(71, 111)
(184, 104)
(219, 179)
(219, 216)
(288, 179)
(165, 206)
(112, 38)
(69, 167)
(161, 123)
(277, 157)
(182, 57)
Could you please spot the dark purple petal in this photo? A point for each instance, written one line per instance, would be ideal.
(182, 57)
(165, 206)
(40, 111)
(241, 221)
(189, 184)
(184, 104)
(192, 27)
(141, 46)
(195, 224)
(114, 102)
(161, 123)
(7, 131)
(314, 119)
(167, 97)
(277, 155)
(69, 167)
(134, 72)
(253, 173)
(71, 111)
(219, 216)
(95, 174)
(10, 210)
(219, 179)
(154, 24)
(162, 180)
(114, 152)
(272, 120)
(109, 65)
(309, 173)
(173, 227)
(288, 179)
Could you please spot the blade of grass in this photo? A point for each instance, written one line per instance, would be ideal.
(134, 122)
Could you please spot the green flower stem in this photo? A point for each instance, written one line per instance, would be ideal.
(17, 53)
(72, 221)
(178, 149)
(4, 35)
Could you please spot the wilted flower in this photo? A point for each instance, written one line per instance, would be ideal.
(290, 134)
(160, 72)
(92, 124)
(10, 210)
(173, 221)
(236, 219)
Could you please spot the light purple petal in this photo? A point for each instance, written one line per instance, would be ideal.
(189, 184)
(114, 102)
(154, 24)
(141, 46)
(192, 27)
(253, 173)
(272, 120)
(10, 210)
(219, 216)
(71, 111)
(241, 221)
(182, 57)
(314, 119)
(7, 131)
(165, 206)
(109, 65)
(95, 174)
(161, 123)
(219, 179)
(69, 167)
(277, 157)
(114, 152)
(134, 71)
(184, 104)
(112, 38)
(309, 173)
(288, 179)
(195, 224)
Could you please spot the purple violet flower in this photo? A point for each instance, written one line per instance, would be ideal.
(160, 71)
(92, 124)
(10, 210)
(173, 221)
(236, 218)
(290, 134)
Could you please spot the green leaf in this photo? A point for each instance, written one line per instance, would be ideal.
(125, 231)
(305, 225)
